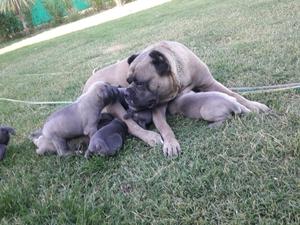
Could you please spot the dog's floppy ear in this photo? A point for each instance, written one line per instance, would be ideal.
(160, 63)
(131, 58)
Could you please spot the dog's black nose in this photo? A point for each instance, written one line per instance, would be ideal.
(151, 103)
(126, 94)
(129, 80)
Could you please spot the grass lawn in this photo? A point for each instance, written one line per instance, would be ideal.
(246, 172)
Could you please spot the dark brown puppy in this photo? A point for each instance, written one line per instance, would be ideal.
(155, 76)
(5, 133)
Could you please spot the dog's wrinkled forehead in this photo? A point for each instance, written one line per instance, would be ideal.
(140, 68)
(148, 63)
(150, 78)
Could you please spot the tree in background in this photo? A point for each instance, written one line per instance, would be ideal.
(106, 4)
(16, 7)
(118, 2)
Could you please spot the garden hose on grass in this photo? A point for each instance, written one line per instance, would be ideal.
(241, 90)
(264, 89)
(36, 103)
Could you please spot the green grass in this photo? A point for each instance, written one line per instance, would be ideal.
(246, 172)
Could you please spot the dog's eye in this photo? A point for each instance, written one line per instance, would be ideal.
(129, 80)
(139, 83)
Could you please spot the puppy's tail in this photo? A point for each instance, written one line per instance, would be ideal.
(34, 136)
(95, 70)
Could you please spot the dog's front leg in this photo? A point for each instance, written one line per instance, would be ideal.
(150, 137)
(90, 130)
(171, 146)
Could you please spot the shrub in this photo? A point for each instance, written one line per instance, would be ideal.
(106, 4)
(9, 26)
(57, 10)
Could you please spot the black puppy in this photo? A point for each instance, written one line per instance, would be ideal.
(108, 140)
(4, 139)
(142, 118)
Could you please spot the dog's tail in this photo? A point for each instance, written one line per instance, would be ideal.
(95, 70)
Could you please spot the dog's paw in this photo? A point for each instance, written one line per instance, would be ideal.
(258, 107)
(152, 138)
(171, 148)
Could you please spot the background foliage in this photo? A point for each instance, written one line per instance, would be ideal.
(9, 26)
(47, 13)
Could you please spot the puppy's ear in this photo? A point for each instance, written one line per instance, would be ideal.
(9, 130)
(114, 142)
(131, 58)
(160, 63)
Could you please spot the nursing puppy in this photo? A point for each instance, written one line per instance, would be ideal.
(78, 119)
(215, 107)
(108, 140)
(142, 118)
(5, 133)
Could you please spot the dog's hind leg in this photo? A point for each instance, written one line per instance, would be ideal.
(216, 124)
(90, 130)
(44, 145)
(217, 86)
(61, 146)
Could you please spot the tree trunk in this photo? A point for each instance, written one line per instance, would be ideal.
(118, 2)
(24, 24)
(21, 17)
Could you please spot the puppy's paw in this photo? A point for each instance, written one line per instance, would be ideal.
(171, 148)
(87, 154)
(215, 125)
(40, 151)
(152, 138)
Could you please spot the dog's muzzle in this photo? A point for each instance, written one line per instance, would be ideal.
(138, 100)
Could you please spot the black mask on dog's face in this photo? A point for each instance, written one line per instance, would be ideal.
(139, 97)
(148, 79)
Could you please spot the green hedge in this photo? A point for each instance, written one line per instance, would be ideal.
(9, 26)
(50, 11)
